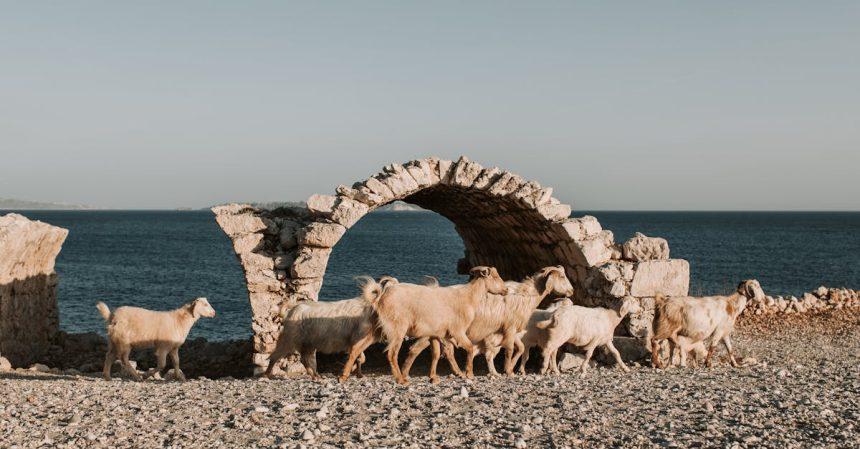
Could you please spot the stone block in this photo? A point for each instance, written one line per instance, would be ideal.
(631, 350)
(667, 277)
(347, 212)
(321, 205)
(310, 263)
(323, 235)
(235, 225)
(640, 248)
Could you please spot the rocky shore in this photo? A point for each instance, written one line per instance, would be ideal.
(799, 387)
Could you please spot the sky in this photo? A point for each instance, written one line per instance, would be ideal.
(616, 105)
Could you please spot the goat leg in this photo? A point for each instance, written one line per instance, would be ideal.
(727, 342)
(452, 360)
(414, 351)
(655, 353)
(434, 361)
(355, 352)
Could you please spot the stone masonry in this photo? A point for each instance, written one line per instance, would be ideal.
(29, 320)
(504, 220)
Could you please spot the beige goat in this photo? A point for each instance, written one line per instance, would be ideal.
(427, 311)
(133, 328)
(710, 318)
(584, 327)
(328, 327)
(499, 321)
(534, 336)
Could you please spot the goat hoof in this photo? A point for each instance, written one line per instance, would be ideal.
(343, 379)
(402, 381)
(434, 380)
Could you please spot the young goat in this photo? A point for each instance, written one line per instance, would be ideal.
(535, 336)
(699, 319)
(328, 327)
(427, 311)
(584, 327)
(688, 347)
(133, 328)
(498, 321)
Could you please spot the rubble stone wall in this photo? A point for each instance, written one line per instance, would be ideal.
(505, 221)
(29, 321)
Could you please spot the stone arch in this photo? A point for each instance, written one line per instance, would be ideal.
(504, 220)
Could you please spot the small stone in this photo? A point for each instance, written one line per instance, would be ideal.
(782, 374)
(464, 392)
(520, 443)
(307, 435)
(39, 368)
(749, 361)
(5, 365)
(261, 409)
(322, 413)
(74, 420)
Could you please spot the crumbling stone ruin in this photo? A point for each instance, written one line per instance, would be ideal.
(504, 220)
(822, 298)
(29, 320)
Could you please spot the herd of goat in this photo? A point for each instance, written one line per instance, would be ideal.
(484, 315)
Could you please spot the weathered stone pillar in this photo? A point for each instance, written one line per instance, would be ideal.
(265, 242)
(29, 321)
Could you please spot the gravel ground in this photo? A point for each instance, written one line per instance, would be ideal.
(804, 391)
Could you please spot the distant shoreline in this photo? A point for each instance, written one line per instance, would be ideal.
(575, 213)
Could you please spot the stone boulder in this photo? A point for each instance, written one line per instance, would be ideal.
(29, 319)
(631, 350)
(640, 248)
(667, 277)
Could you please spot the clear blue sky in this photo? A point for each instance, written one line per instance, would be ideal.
(617, 105)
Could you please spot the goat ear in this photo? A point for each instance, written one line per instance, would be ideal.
(195, 308)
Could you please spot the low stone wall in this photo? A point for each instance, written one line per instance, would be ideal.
(821, 299)
(29, 320)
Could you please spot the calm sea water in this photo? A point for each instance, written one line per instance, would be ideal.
(160, 259)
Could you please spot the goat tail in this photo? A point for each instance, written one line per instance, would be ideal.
(103, 310)
(546, 324)
(371, 290)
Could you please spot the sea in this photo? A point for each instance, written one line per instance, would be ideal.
(161, 259)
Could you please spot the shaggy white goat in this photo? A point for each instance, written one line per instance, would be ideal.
(535, 336)
(584, 327)
(710, 318)
(427, 311)
(328, 327)
(132, 328)
(499, 321)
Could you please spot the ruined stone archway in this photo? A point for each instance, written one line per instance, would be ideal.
(504, 220)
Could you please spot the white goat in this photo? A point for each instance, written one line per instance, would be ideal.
(427, 311)
(133, 328)
(586, 328)
(499, 321)
(710, 318)
(535, 336)
(328, 327)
